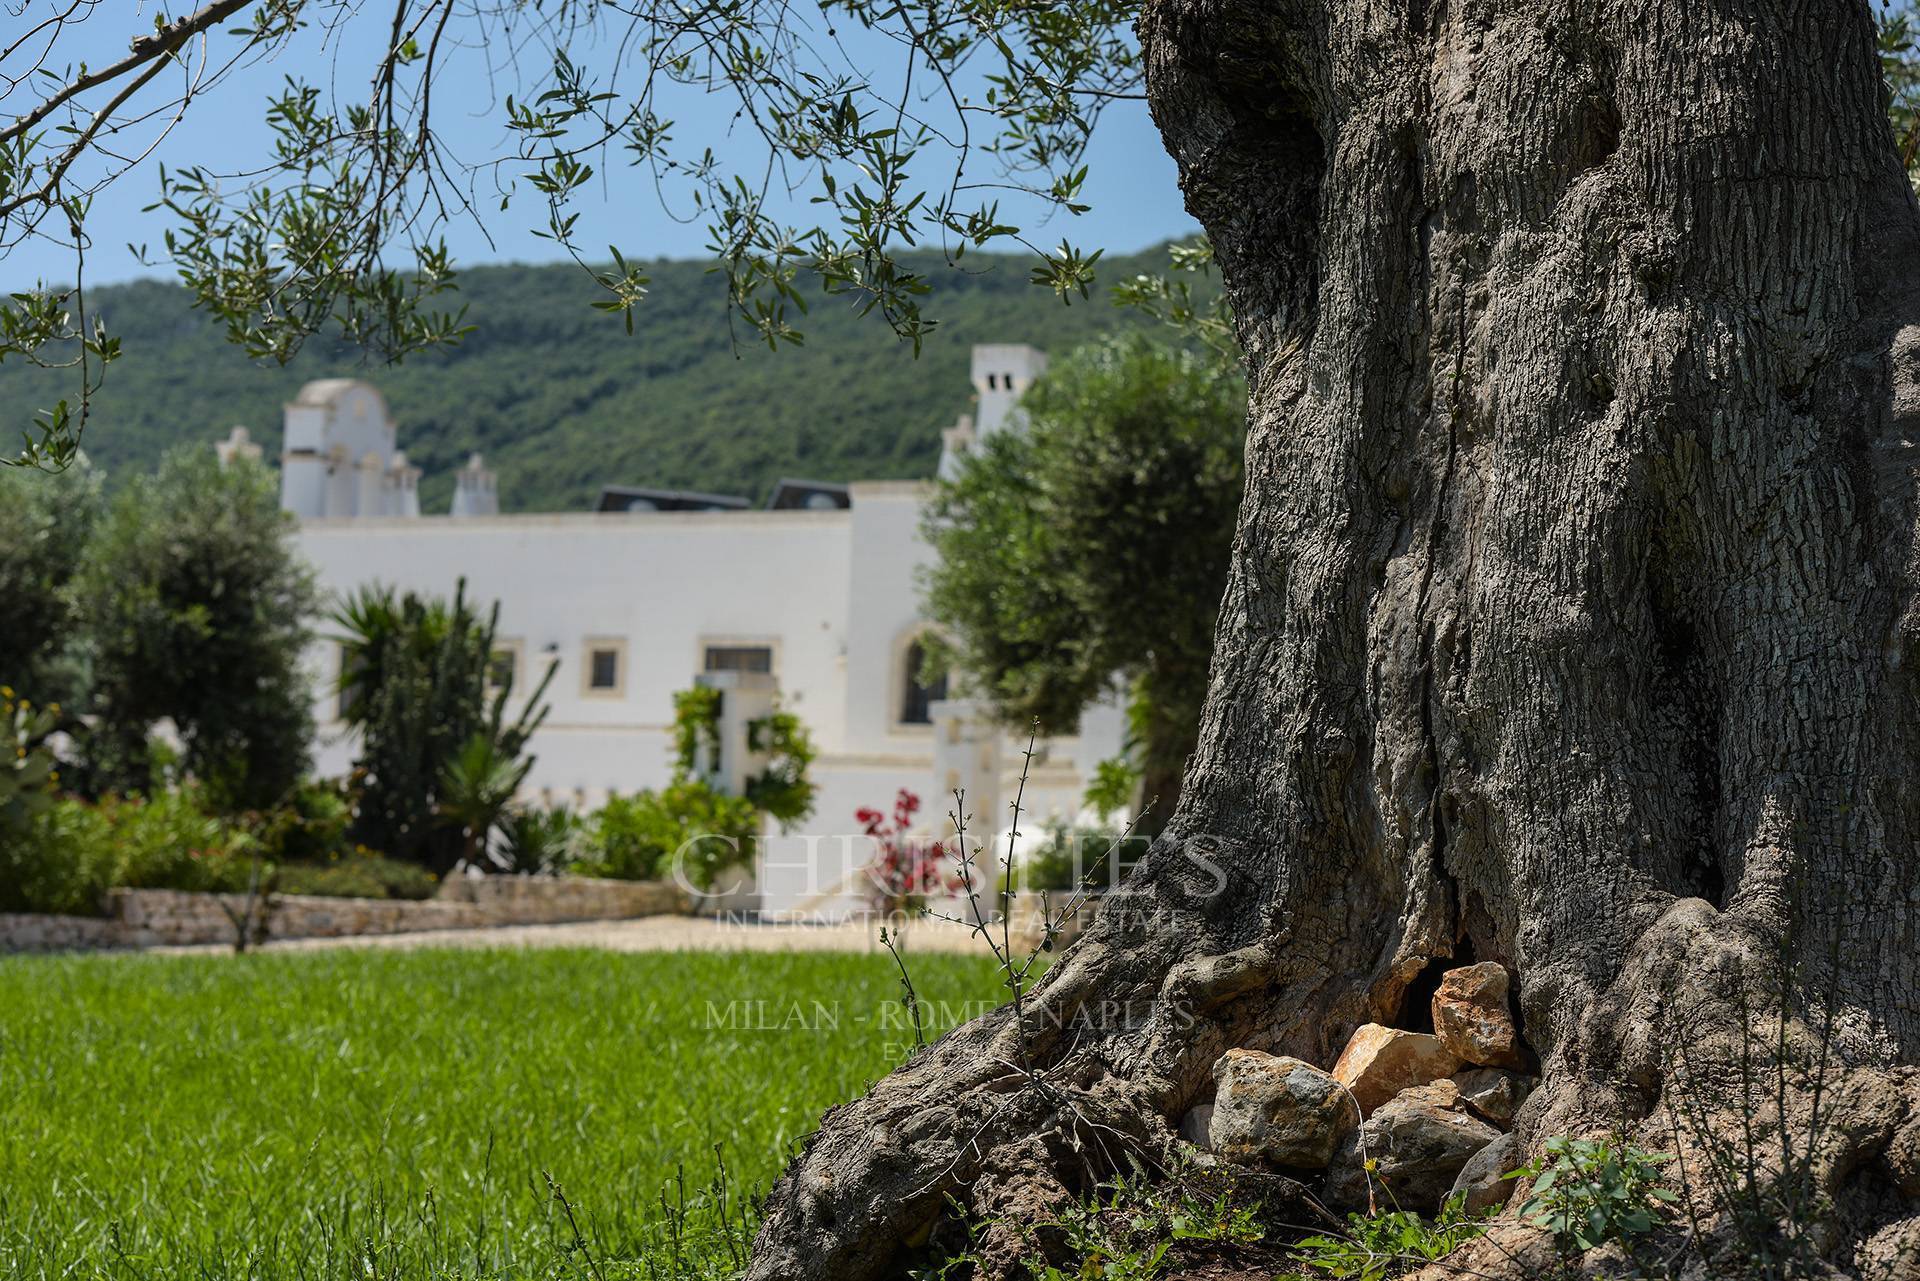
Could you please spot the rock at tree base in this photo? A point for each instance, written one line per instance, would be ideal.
(1471, 1018)
(1194, 1126)
(1277, 1110)
(1379, 1062)
(1419, 1144)
(1483, 1181)
(1493, 1094)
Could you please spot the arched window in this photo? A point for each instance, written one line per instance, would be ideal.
(918, 695)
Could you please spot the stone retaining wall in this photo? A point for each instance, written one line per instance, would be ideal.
(161, 918)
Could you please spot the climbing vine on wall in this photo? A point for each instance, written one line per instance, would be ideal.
(696, 724)
(783, 789)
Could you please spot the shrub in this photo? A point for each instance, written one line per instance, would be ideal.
(1071, 857)
(536, 842)
(311, 825)
(358, 875)
(63, 861)
(26, 762)
(686, 829)
(1591, 1191)
(1375, 1247)
(629, 839)
(170, 842)
(73, 852)
(905, 871)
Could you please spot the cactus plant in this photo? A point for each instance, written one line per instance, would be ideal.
(27, 772)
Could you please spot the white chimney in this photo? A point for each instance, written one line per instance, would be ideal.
(238, 444)
(475, 492)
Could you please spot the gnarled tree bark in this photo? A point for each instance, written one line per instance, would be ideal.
(1573, 620)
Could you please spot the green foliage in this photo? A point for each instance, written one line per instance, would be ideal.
(783, 791)
(170, 841)
(1125, 1232)
(64, 860)
(1588, 1192)
(696, 730)
(629, 838)
(433, 747)
(27, 766)
(478, 785)
(1900, 69)
(306, 238)
(1113, 787)
(197, 606)
(1071, 858)
(1375, 1247)
(389, 1112)
(45, 522)
(358, 874)
(689, 829)
(538, 842)
(1094, 546)
(1184, 301)
(73, 852)
(562, 402)
(311, 826)
(685, 830)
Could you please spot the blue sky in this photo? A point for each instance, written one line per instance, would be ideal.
(1131, 183)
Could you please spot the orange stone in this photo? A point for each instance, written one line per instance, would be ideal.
(1471, 1018)
(1379, 1062)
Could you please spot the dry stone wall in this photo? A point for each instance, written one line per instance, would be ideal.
(163, 918)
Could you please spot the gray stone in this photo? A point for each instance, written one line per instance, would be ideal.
(1418, 1143)
(1379, 1062)
(1483, 1179)
(1493, 1094)
(1278, 1111)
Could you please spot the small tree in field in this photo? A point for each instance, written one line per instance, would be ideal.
(1092, 547)
(197, 606)
(44, 527)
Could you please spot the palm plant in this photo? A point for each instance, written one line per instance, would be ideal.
(476, 788)
(537, 842)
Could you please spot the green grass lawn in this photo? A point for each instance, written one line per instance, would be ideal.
(395, 1114)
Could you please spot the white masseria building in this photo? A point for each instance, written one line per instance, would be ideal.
(810, 597)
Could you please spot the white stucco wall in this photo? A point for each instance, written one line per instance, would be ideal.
(834, 593)
(661, 586)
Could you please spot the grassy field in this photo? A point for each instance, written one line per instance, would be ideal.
(396, 1114)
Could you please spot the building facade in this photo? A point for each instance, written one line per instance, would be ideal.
(811, 597)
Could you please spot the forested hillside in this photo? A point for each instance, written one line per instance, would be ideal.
(561, 399)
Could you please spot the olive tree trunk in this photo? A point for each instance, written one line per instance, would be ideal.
(1572, 621)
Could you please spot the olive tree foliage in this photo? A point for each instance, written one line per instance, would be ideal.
(195, 603)
(44, 525)
(1091, 549)
(903, 125)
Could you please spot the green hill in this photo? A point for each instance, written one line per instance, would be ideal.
(561, 399)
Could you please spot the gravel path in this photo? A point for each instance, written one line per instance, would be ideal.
(647, 934)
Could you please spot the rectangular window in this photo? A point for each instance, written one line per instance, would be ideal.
(739, 658)
(503, 665)
(603, 667)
